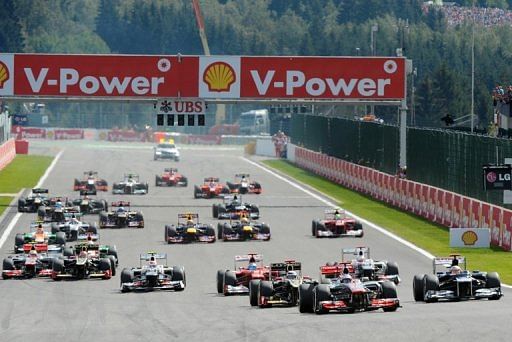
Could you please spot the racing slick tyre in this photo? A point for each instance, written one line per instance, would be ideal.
(253, 291)
(220, 281)
(254, 209)
(215, 210)
(157, 180)
(197, 192)
(41, 212)
(8, 265)
(321, 293)
(220, 229)
(229, 279)
(104, 205)
(493, 281)
(210, 231)
(320, 227)
(391, 268)
(265, 289)
(314, 225)
(112, 250)
(417, 287)
(359, 227)
(389, 291)
(265, 229)
(112, 264)
(170, 231)
(19, 241)
(68, 252)
(430, 282)
(57, 267)
(105, 266)
(55, 228)
(60, 238)
(93, 229)
(306, 298)
(184, 181)
(178, 274)
(126, 277)
(227, 229)
(21, 205)
(103, 219)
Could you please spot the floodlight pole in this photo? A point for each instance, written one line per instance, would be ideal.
(473, 71)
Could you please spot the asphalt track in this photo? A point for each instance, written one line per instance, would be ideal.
(44, 310)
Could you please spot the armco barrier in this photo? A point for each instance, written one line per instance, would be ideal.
(435, 204)
(7, 153)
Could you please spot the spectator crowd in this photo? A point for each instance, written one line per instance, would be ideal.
(483, 16)
(280, 141)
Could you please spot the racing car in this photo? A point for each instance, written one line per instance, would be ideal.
(171, 177)
(242, 230)
(348, 294)
(335, 224)
(89, 205)
(40, 240)
(188, 229)
(456, 283)
(130, 185)
(211, 188)
(362, 266)
(91, 182)
(244, 185)
(85, 261)
(91, 245)
(282, 288)
(55, 209)
(29, 265)
(237, 282)
(121, 217)
(75, 229)
(166, 151)
(153, 276)
(232, 207)
(33, 201)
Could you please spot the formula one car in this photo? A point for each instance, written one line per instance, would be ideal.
(237, 281)
(89, 262)
(40, 240)
(233, 208)
(243, 230)
(121, 217)
(171, 177)
(336, 224)
(130, 185)
(244, 185)
(89, 205)
(166, 151)
(75, 229)
(33, 201)
(457, 283)
(211, 188)
(96, 250)
(348, 294)
(361, 267)
(91, 182)
(29, 265)
(282, 288)
(153, 276)
(56, 209)
(188, 229)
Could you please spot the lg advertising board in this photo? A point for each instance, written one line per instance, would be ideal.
(119, 77)
(497, 177)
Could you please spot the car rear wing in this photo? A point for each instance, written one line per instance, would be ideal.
(332, 271)
(240, 175)
(120, 204)
(170, 169)
(447, 262)
(249, 257)
(87, 192)
(158, 256)
(188, 216)
(211, 180)
(90, 173)
(355, 252)
(132, 176)
(281, 268)
(39, 191)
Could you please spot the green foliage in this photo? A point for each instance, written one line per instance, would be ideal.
(31, 167)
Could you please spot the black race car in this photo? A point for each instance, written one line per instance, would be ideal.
(121, 217)
(32, 202)
(234, 208)
(455, 284)
(89, 205)
(189, 229)
(85, 261)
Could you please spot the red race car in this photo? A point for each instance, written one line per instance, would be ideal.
(237, 281)
(244, 185)
(90, 181)
(336, 224)
(211, 188)
(171, 177)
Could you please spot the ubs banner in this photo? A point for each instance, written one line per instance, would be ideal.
(206, 77)
(497, 177)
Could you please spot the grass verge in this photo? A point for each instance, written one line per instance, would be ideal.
(23, 172)
(425, 234)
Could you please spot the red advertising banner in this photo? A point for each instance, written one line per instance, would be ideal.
(204, 139)
(28, 132)
(125, 136)
(507, 230)
(68, 134)
(206, 77)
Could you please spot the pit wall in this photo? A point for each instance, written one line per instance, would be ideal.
(7, 153)
(437, 205)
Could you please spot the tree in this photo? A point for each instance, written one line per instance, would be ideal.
(11, 37)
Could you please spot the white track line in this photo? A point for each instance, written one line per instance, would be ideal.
(331, 204)
(16, 217)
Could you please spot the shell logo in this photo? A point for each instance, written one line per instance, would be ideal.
(219, 76)
(469, 238)
(4, 74)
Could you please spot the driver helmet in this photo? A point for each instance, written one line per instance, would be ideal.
(244, 220)
(86, 197)
(455, 270)
(360, 256)
(292, 275)
(39, 228)
(252, 266)
(346, 278)
(120, 209)
(32, 253)
(152, 261)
